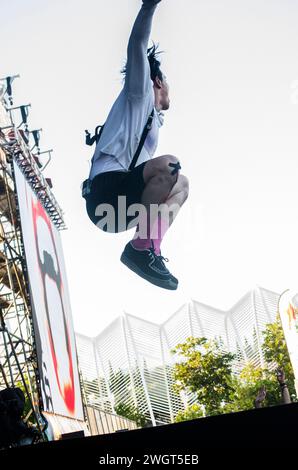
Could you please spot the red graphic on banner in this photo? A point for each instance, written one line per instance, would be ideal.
(47, 270)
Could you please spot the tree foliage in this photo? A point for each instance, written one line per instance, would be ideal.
(131, 412)
(247, 385)
(276, 354)
(191, 412)
(206, 369)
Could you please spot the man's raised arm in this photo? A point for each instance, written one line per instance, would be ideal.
(137, 80)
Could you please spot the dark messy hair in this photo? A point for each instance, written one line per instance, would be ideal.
(154, 63)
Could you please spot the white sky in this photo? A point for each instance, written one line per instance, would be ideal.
(232, 66)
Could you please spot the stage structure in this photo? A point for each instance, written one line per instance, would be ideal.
(37, 342)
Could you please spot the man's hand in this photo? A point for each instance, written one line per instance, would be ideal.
(150, 2)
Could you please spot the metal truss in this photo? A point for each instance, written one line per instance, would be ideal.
(18, 356)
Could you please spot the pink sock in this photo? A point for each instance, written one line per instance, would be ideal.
(159, 228)
(154, 234)
(138, 241)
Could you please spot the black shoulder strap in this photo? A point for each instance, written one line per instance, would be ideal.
(90, 140)
(143, 138)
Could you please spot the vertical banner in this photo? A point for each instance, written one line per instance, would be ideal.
(54, 332)
(288, 310)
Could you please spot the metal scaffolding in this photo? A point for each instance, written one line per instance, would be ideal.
(18, 357)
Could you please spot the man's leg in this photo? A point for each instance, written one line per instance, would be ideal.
(163, 186)
(176, 199)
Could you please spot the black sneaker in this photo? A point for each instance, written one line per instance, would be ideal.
(149, 266)
(161, 258)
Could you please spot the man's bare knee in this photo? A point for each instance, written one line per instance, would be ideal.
(165, 167)
(165, 162)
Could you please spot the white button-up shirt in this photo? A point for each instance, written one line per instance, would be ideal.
(129, 114)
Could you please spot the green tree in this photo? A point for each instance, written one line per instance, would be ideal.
(247, 385)
(210, 372)
(131, 412)
(207, 371)
(191, 412)
(276, 354)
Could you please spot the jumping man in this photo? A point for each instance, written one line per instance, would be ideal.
(154, 187)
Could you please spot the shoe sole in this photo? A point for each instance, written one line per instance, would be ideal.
(170, 284)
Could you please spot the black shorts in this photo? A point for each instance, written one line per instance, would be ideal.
(106, 188)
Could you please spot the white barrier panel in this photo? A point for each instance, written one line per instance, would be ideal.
(55, 340)
(59, 425)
